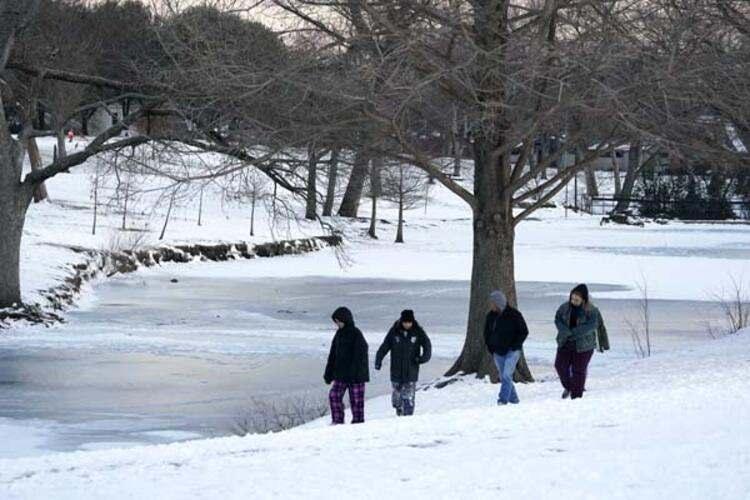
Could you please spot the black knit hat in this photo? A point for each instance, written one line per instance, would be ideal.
(407, 316)
(582, 291)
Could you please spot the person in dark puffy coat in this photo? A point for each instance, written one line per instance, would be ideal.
(347, 368)
(505, 331)
(410, 347)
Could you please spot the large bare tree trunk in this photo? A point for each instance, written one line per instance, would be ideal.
(14, 201)
(15, 197)
(492, 268)
(11, 228)
(333, 170)
(350, 202)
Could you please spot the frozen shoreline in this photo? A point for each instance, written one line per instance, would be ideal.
(212, 345)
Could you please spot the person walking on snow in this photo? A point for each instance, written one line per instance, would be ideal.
(505, 331)
(580, 328)
(347, 368)
(410, 347)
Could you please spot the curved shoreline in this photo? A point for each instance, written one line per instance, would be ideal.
(108, 263)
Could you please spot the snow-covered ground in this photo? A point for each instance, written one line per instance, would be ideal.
(667, 425)
(678, 261)
(66, 219)
(670, 426)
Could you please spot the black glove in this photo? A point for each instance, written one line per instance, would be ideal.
(378, 366)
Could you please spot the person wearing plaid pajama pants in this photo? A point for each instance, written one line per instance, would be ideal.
(347, 368)
(356, 400)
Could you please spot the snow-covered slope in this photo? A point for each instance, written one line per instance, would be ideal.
(672, 426)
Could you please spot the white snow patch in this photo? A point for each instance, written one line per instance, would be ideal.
(654, 428)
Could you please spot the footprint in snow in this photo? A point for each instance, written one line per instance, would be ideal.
(432, 444)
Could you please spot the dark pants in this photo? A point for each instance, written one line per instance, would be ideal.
(403, 397)
(571, 367)
(356, 399)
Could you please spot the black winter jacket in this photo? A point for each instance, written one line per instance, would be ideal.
(348, 358)
(408, 348)
(505, 332)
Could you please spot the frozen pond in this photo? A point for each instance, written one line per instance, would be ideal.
(152, 360)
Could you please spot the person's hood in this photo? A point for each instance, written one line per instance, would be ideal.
(582, 291)
(499, 299)
(344, 315)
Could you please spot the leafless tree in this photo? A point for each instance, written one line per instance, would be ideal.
(404, 185)
(515, 72)
(215, 87)
(640, 329)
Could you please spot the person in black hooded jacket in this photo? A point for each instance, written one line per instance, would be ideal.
(410, 347)
(347, 368)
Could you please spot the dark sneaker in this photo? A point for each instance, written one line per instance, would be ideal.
(566, 394)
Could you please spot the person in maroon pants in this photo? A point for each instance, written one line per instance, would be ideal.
(577, 322)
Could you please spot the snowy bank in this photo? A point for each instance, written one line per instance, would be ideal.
(667, 426)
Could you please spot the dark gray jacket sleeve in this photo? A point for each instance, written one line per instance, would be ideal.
(523, 332)
(383, 350)
(563, 331)
(426, 348)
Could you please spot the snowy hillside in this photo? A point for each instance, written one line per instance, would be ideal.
(554, 246)
(66, 219)
(671, 426)
(666, 426)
